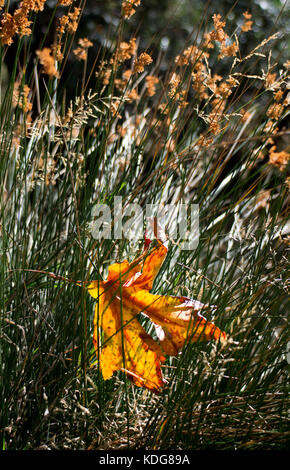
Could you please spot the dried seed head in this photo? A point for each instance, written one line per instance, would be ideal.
(48, 62)
(141, 61)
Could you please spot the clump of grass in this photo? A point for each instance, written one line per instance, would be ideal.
(210, 131)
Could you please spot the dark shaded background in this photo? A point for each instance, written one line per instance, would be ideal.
(163, 26)
(166, 25)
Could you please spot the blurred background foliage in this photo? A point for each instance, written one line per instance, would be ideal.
(166, 27)
(169, 23)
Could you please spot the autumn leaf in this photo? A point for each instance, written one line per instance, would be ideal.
(126, 345)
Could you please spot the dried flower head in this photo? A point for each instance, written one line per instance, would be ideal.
(126, 50)
(225, 88)
(20, 98)
(228, 51)
(247, 26)
(67, 23)
(106, 76)
(278, 159)
(174, 84)
(278, 96)
(81, 52)
(198, 84)
(204, 141)
(141, 61)
(218, 34)
(270, 129)
(57, 52)
(270, 79)
(8, 29)
(275, 111)
(129, 7)
(132, 95)
(48, 62)
(62, 24)
(74, 20)
(151, 82)
(191, 55)
(18, 23)
(207, 38)
(127, 74)
(65, 3)
(211, 82)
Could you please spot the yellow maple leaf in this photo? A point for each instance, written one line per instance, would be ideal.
(126, 345)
